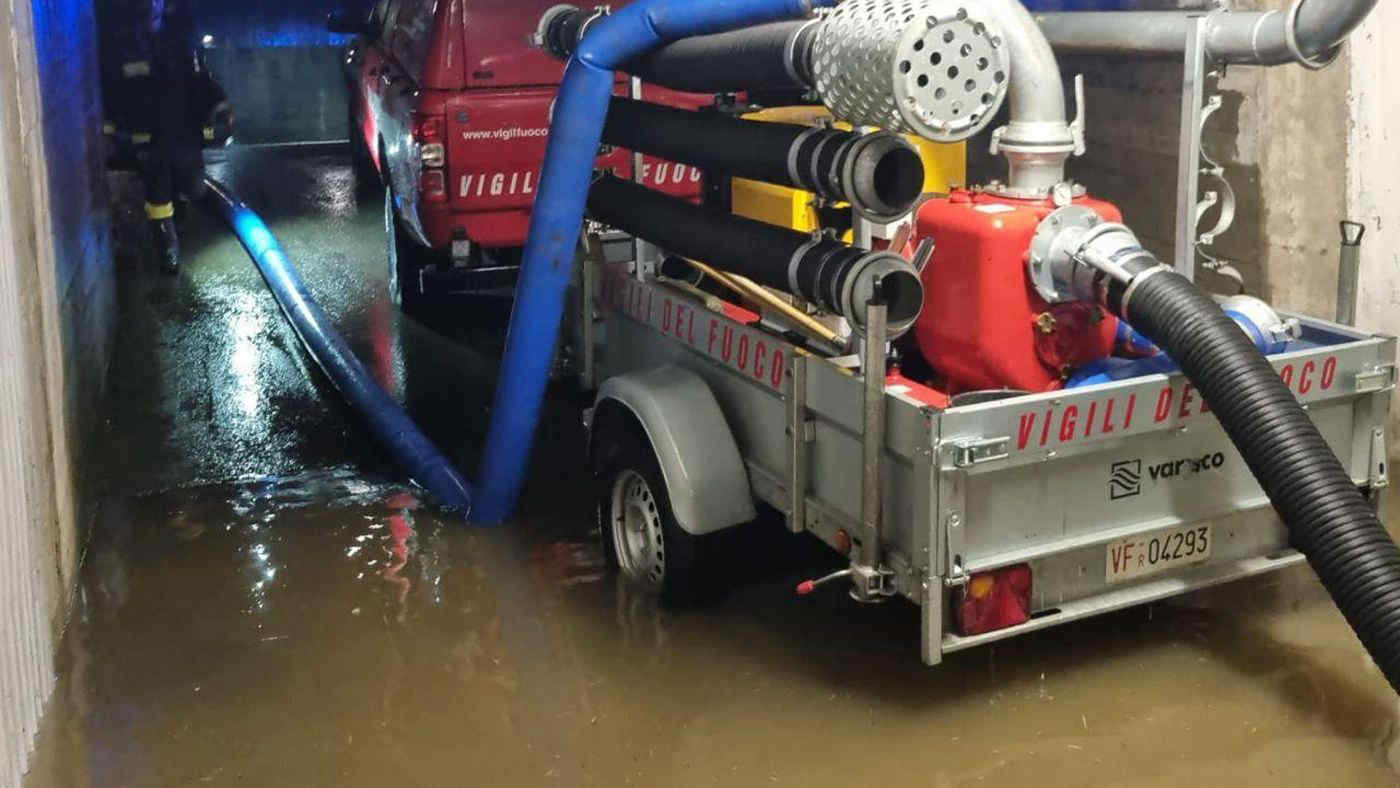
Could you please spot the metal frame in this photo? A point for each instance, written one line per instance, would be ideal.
(1193, 162)
(1189, 150)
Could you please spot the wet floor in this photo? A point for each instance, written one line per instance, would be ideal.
(262, 604)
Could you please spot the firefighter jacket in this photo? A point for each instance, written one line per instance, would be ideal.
(154, 87)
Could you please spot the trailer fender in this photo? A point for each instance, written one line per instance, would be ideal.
(704, 473)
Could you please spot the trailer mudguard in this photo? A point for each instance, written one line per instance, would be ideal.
(705, 476)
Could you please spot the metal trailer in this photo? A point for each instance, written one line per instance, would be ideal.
(1077, 483)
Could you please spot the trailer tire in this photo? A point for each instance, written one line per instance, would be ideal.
(640, 534)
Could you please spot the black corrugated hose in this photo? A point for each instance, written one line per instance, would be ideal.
(775, 56)
(879, 173)
(824, 270)
(1329, 519)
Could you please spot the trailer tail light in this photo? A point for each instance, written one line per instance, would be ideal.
(432, 185)
(995, 600)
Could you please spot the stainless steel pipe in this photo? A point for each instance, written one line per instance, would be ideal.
(1309, 30)
(1038, 140)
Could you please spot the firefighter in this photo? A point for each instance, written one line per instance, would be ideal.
(162, 106)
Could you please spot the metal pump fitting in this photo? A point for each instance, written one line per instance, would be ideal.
(1075, 256)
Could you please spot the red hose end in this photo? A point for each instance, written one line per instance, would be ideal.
(806, 587)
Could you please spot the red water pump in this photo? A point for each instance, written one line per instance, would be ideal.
(983, 325)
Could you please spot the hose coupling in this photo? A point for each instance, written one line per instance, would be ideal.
(843, 278)
(1078, 256)
(562, 26)
(1269, 330)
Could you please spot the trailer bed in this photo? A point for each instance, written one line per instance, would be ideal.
(1058, 481)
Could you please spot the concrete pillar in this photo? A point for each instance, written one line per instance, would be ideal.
(1373, 173)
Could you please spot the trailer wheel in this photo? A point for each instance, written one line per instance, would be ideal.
(640, 535)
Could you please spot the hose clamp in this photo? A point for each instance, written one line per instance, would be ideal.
(599, 12)
(1290, 39)
(1133, 286)
(790, 53)
(794, 168)
(540, 38)
(816, 182)
(797, 256)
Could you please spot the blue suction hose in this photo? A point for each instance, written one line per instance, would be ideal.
(575, 133)
(390, 424)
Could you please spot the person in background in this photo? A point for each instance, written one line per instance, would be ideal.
(162, 107)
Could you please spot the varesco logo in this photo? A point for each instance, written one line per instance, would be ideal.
(1126, 480)
(1126, 477)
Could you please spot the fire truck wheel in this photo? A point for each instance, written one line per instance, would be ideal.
(404, 257)
(362, 166)
(640, 535)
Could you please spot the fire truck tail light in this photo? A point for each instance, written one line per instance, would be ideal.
(434, 155)
(433, 186)
(428, 129)
(995, 600)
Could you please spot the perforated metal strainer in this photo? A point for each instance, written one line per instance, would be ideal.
(931, 67)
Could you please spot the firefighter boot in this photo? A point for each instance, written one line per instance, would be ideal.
(167, 244)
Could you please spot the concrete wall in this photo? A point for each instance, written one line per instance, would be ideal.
(56, 299)
(1281, 136)
(283, 93)
(280, 66)
(72, 186)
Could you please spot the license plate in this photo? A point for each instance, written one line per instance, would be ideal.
(461, 252)
(1148, 554)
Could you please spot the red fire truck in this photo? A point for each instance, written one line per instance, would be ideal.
(450, 109)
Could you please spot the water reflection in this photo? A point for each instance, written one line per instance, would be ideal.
(245, 325)
(401, 539)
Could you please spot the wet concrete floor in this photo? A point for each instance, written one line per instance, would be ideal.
(262, 604)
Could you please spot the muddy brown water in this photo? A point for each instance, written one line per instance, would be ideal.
(263, 604)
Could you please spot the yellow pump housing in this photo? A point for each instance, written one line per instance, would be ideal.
(945, 167)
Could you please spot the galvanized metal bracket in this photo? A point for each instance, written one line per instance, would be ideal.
(1380, 377)
(928, 540)
(975, 451)
(1380, 453)
(1193, 162)
(872, 584)
(801, 431)
(588, 317)
(952, 500)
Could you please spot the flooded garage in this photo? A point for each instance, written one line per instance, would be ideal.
(837, 401)
(267, 604)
